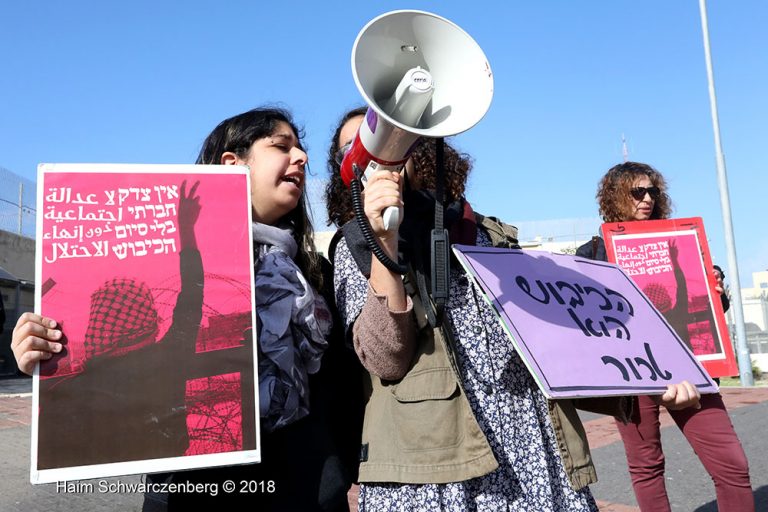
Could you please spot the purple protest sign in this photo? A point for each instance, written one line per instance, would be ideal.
(582, 327)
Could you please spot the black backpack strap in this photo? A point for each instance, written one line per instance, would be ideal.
(337, 236)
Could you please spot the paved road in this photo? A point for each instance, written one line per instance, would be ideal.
(16, 493)
(688, 485)
(690, 488)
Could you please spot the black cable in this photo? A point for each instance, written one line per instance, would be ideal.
(365, 228)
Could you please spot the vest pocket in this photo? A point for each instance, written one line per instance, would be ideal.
(425, 411)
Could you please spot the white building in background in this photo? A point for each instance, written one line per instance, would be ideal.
(540, 243)
(754, 303)
(557, 235)
(323, 241)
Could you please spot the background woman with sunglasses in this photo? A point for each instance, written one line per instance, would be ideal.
(635, 191)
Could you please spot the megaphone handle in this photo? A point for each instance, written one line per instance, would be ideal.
(391, 218)
(365, 228)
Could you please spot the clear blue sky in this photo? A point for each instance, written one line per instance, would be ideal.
(140, 81)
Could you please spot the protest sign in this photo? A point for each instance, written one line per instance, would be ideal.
(669, 260)
(582, 327)
(148, 270)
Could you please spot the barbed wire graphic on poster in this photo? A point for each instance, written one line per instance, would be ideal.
(121, 223)
(153, 293)
(669, 261)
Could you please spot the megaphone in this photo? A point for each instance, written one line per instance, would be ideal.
(421, 76)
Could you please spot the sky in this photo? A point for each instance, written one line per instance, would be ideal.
(145, 82)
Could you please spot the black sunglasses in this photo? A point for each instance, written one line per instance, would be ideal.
(639, 192)
(341, 152)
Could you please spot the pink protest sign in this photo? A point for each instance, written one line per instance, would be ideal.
(669, 260)
(582, 327)
(148, 270)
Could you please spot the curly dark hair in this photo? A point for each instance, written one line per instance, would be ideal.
(337, 199)
(613, 196)
(457, 168)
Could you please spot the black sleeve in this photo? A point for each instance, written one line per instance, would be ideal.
(188, 311)
(681, 296)
(593, 250)
(2, 314)
(723, 299)
(620, 407)
(585, 251)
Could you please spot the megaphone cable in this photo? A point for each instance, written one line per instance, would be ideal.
(355, 188)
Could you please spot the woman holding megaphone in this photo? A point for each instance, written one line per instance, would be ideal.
(454, 420)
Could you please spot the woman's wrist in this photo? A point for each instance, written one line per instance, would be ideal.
(389, 244)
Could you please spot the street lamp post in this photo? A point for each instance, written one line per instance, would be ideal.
(745, 363)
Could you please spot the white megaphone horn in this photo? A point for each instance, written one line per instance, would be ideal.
(421, 76)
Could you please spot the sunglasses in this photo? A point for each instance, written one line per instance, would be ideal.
(639, 193)
(341, 152)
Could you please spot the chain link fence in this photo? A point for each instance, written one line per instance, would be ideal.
(18, 198)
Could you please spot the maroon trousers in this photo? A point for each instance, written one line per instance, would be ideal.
(709, 431)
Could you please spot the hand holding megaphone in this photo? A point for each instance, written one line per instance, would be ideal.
(380, 145)
(383, 195)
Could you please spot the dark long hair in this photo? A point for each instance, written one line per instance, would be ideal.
(457, 167)
(613, 196)
(237, 134)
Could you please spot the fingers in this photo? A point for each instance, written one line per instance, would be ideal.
(30, 356)
(673, 247)
(384, 175)
(34, 318)
(378, 199)
(382, 191)
(693, 393)
(194, 189)
(680, 396)
(34, 339)
(669, 395)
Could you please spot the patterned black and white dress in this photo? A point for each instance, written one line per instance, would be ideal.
(508, 405)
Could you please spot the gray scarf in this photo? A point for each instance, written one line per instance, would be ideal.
(294, 322)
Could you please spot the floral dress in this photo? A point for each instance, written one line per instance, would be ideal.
(509, 408)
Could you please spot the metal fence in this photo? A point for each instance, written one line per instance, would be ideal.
(18, 200)
(758, 342)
